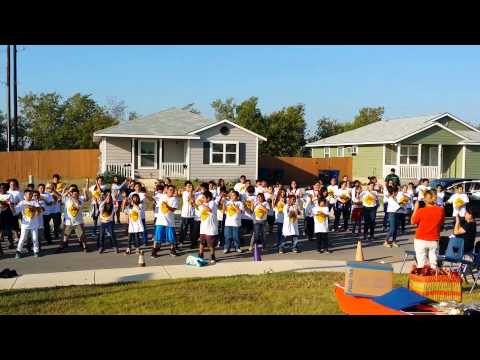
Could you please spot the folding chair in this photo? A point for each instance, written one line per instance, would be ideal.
(471, 265)
(406, 255)
(454, 252)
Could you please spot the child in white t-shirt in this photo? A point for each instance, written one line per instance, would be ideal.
(320, 216)
(269, 195)
(199, 199)
(222, 195)
(208, 226)
(248, 200)
(290, 223)
(278, 206)
(260, 211)
(135, 224)
(459, 200)
(440, 196)
(392, 210)
(167, 204)
(107, 211)
(233, 209)
(30, 210)
(188, 212)
(405, 202)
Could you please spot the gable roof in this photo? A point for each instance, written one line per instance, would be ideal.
(170, 123)
(394, 130)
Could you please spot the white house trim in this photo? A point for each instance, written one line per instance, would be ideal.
(256, 160)
(464, 152)
(384, 154)
(456, 119)
(429, 127)
(350, 144)
(139, 155)
(237, 143)
(133, 158)
(230, 123)
(187, 159)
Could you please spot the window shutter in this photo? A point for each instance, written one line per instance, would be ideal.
(242, 153)
(206, 153)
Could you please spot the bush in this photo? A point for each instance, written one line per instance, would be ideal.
(108, 177)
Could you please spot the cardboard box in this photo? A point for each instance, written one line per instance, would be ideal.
(368, 279)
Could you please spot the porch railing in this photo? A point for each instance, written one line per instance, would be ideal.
(120, 168)
(174, 170)
(413, 171)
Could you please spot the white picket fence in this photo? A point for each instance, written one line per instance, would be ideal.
(123, 169)
(174, 170)
(413, 171)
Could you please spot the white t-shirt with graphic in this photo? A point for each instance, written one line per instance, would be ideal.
(278, 209)
(233, 211)
(261, 212)
(369, 198)
(421, 191)
(241, 188)
(135, 224)
(248, 202)
(105, 216)
(72, 212)
(320, 218)
(142, 197)
(290, 220)
(17, 196)
(208, 218)
(332, 191)
(269, 199)
(459, 202)
(30, 219)
(165, 216)
(188, 211)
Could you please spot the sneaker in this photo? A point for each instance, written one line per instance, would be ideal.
(321, 251)
(154, 253)
(116, 250)
(239, 250)
(18, 255)
(173, 253)
(250, 249)
(85, 250)
(128, 251)
(387, 244)
(213, 261)
(225, 251)
(295, 250)
(395, 244)
(36, 254)
(328, 251)
(281, 251)
(100, 251)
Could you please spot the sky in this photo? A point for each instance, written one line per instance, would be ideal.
(333, 81)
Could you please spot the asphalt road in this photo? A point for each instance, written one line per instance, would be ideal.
(343, 246)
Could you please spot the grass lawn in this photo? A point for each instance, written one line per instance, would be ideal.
(279, 293)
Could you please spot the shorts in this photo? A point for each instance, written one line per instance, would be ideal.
(357, 214)
(164, 234)
(77, 228)
(208, 240)
(270, 220)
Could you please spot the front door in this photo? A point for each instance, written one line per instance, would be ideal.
(173, 151)
(452, 161)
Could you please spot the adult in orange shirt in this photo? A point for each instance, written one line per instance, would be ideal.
(429, 221)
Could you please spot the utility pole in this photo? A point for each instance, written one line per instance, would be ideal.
(15, 99)
(8, 100)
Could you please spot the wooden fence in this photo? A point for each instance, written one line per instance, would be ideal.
(43, 164)
(302, 169)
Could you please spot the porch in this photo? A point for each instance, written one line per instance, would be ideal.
(416, 161)
(152, 159)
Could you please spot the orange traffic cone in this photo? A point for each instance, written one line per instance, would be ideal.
(141, 259)
(359, 252)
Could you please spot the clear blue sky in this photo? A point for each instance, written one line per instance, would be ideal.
(332, 81)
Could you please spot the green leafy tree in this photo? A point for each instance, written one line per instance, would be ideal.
(132, 115)
(56, 124)
(224, 110)
(285, 131)
(326, 127)
(366, 116)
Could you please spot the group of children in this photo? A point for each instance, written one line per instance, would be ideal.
(211, 214)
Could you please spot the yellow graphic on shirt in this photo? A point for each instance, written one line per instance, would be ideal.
(249, 204)
(280, 206)
(242, 188)
(134, 215)
(59, 187)
(292, 216)
(232, 210)
(260, 212)
(330, 191)
(200, 200)
(73, 211)
(344, 197)
(106, 215)
(369, 200)
(164, 208)
(96, 194)
(320, 217)
(29, 213)
(404, 200)
(204, 213)
(458, 203)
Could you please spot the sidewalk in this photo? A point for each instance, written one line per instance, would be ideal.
(107, 276)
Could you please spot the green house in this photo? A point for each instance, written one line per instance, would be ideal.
(431, 146)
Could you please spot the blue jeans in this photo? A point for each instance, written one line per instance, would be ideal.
(385, 218)
(280, 237)
(144, 232)
(106, 228)
(369, 219)
(259, 230)
(232, 234)
(392, 222)
(294, 239)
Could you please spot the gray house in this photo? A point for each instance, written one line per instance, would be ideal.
(179, 144)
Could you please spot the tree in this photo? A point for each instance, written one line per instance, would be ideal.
(249, 116)
(132, 115)
(366, 116)
(285, 131)
(116, 109)
(190, 108)
(326, 127)
(56, 124)
(224, 110)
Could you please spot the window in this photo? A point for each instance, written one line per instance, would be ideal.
(326, 153)
(340, 151)
(355, 150)
(147, 154)
(409, 155)
(224, 153)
